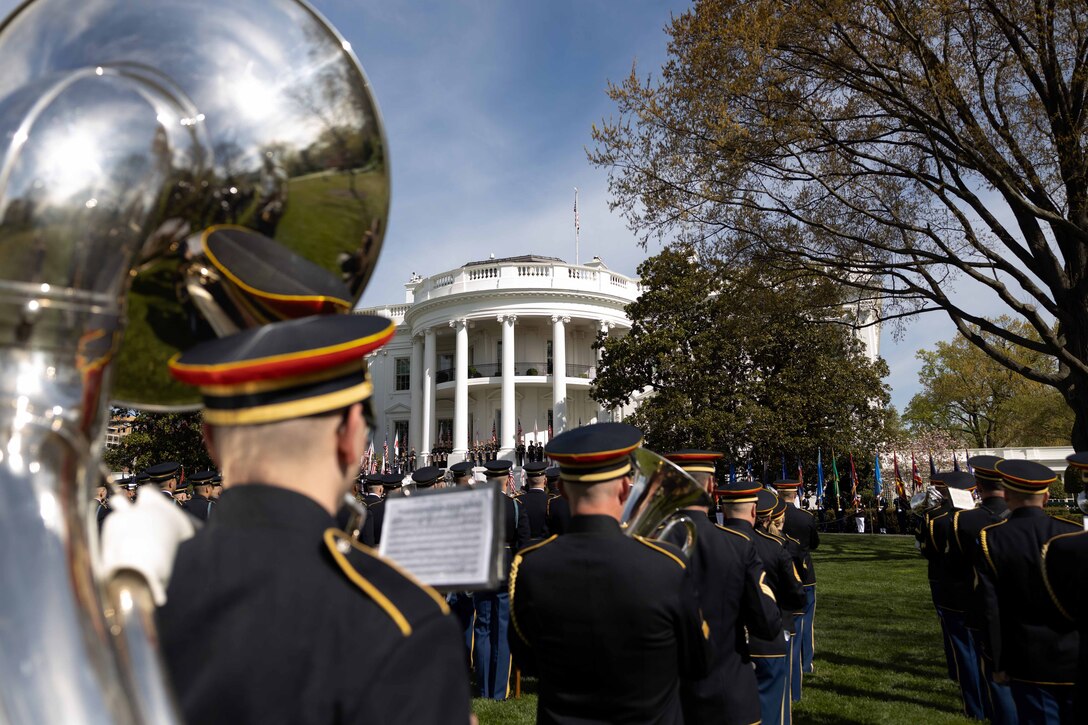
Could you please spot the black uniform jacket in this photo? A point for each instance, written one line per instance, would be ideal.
(782, 578)
(366, 536)
(801, 526)
(376, 513)
(963, 551)
(534, 503)
(200, 507)
(733, 596)
(269, 621)
(516, 535)
(931, 550)
(1065, 566)
(1017, 607)
(609, 623)
(558, 514)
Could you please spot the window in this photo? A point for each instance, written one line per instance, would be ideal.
(549, 357)
(403, 375)
(400, 434)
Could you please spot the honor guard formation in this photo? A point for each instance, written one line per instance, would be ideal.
(714, 626)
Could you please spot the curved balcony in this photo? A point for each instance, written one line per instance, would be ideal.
(531, 372)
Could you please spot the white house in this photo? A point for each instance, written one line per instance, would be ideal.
(500, 345)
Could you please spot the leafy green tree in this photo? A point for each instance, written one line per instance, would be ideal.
(984, 404)
(727, 358)
(893, 145)
(159, 437)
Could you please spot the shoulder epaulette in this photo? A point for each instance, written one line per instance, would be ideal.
(733, 531)
(1071, 522)
(661, 550)
(405, 599)
(522, 552)
(791, 538)
(806, 511)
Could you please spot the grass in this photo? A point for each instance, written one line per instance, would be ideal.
(878, 648)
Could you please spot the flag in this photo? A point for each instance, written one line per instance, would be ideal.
(748, 467)
(732, 473)
(819, 477)
(396, 445)
(520, 432)
(955, 461)
(853, 479)
(385, 453)
(801, 474)
(932, 468)
(494, 437)
(915, 477)
(577, 225)
(900, 490)
(878, 485)
(783, 465)
(835, 476)
(966, 456)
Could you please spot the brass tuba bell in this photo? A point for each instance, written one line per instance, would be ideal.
(660, 491)
(153, 155)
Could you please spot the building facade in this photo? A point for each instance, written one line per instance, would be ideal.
(500, 350)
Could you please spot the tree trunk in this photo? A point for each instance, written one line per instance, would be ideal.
(1077, 398)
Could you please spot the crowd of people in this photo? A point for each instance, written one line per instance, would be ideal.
(718, 628)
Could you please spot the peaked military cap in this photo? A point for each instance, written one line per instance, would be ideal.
(693, 460)
(535, 468)
(375, 479)
(143, 477)
(128, 483)
(1025, 476)
(594, 453)
(426, 476)
(276, 283)
(217, 480)
(959, 479)
(937, 478)
(984, 468)
(787, 483)
(779, 509)
(498, 467)
(284, 370)
(551, 473)
(740, 491)
(392, 480)
(163, 471)
(464, 468)
(765, 502)
(202, 478)
(1078, 460)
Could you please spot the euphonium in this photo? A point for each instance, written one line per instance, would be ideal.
(127, 129)
(660, 490)
(923, 501)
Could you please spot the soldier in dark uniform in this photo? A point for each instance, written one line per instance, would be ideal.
(534, 499)
(745, 503)
(735, 602)
(957, 583)
(797, 556)
(1065, 572)
(272, 557)
(461, 603)
(902, 507)
(609, 623)
(1038, 661)
(521, 454)
(557, 512)
(426, 477)
(201, 504)
(801, 526)
(935, 565)
(165, 476)
(963, 556)
(102, 500)
(491, 648)
(217, 487)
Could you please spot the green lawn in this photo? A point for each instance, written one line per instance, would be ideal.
(878, 649)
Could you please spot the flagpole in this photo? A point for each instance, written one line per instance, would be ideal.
(577, 226)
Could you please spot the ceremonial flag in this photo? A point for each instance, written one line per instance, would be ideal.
(853, 479)
(783, 465)
(932, 468)
(749, 469)
(900, 490)
(966, 456)
(801, 474)
(385, 452)
(519, 430)
(396, 445)
(732, 473)
(878, 484)
(955, 461)
(835, 476)
(819, 476)
(915, 477)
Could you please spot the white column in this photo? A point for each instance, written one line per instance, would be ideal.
(559, 374)
(415, 380)
(460, 395)
(507, 442)
(602, 412)
(427, 384)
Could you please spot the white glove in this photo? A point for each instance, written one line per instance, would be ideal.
(143, 536)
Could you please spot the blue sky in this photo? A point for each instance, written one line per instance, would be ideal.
(488, 107)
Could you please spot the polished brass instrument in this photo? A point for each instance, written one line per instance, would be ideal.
(660, 491)
(127, 129)
(925, 500)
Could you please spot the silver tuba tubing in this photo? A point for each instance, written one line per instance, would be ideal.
(126, 128)
(660, 491)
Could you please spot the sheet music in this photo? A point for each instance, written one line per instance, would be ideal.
(961, 499)
(445, 538)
